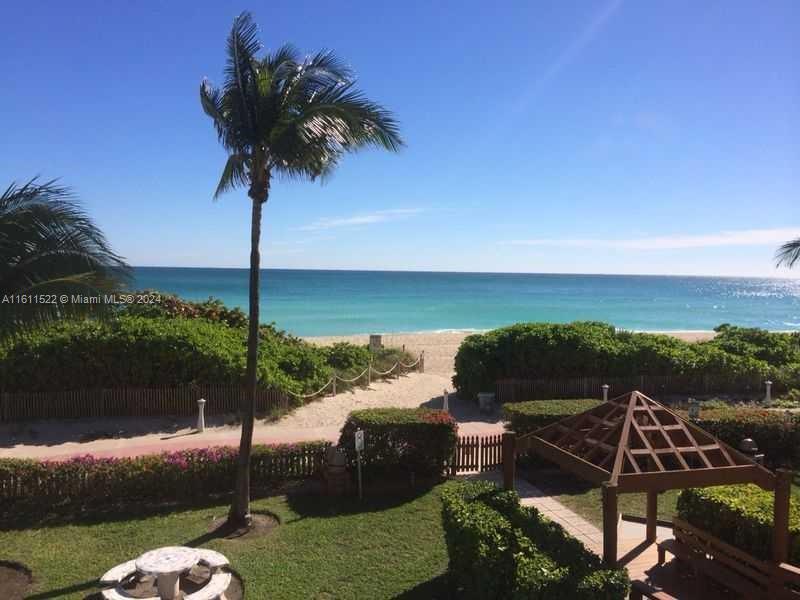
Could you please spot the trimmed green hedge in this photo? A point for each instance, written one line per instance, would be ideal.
(420, 440)
(167, 477)
(741, 515)
(777, 436)
(499, 549)
(524, 417)
(586, 349)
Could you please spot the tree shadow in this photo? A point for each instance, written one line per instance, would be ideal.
(30, 515)
(54, 432)
(65, 591)
(437, 588)
(324, 506)
(554, 481)
(464, 411)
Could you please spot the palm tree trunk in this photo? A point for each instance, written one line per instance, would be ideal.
(239, 515)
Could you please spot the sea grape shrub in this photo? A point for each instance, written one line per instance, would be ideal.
(125, 351)
(182, 475)
(401, 440)
(525, 417)
(775, 348)
(741, 515)
(591, 349)
(499, 549)
(776, 433)
(172, 306)
(346, 357)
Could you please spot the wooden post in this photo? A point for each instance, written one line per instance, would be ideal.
(422, 362)
(509, 459)
(610, 522)
(652, 516)
(780, 531)
(334, 384)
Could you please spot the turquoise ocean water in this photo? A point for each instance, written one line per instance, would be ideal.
(308, 302)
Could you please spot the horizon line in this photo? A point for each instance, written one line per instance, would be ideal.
(452, 272)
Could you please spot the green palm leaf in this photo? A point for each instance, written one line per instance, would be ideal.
(49, 246)
(789, 253)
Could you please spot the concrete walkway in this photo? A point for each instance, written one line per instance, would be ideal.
(636, 555)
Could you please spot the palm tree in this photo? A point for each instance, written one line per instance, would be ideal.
(789, 253)
(50, 247)
(288, 116)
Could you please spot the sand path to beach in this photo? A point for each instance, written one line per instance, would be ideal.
(318, 420)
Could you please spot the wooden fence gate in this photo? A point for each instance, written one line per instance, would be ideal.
(475, 453)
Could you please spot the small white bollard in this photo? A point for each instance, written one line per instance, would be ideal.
(768, 397)
(445, 404)
(201, 418)
(605, 387)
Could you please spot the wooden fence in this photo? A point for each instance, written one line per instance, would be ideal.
(477, 453)
(518, 390)
(120, 481)
(178, 401)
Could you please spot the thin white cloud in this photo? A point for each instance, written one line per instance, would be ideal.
(746, 237)
(575, 47)
(380, 216)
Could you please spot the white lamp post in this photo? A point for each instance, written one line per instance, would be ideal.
(605, 387)
(201, 419)
(445, 403)
(768, 397)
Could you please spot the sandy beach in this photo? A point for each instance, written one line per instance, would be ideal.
(320, 419)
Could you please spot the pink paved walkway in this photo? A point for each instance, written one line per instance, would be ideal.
(125, 447)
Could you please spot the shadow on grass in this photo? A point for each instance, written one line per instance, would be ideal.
(64, 591)
(21, 516)
(321, 506)
(437, 588)
(555, 482)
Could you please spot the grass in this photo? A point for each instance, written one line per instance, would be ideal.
(323, 549)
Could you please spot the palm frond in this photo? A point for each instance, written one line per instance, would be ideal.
(789, 254)
(233, 175)
(48, 242)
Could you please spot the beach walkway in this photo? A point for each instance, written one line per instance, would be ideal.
(318, 420)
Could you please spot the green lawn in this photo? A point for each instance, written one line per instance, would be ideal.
(383, 548)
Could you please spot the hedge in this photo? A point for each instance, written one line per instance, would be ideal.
(163, 348)
(419, 440)
(777, 436)
(170, 476)
(499, 549)
(741, 515)
(524, 417)
(592, 349)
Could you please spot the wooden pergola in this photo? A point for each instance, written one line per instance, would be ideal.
(634, 444)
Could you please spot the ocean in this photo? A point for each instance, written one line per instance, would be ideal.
(311, 302)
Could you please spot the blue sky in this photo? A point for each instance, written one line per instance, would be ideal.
(577, 136)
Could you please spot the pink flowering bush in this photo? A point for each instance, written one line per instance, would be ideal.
(169, 476)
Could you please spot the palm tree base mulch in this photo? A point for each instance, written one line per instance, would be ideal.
(262, 524)
(15, 580)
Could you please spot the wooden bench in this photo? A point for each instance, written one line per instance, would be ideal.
(710, 558)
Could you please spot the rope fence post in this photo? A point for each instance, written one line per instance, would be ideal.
(369, 373)
(334, 384)
(422, 362)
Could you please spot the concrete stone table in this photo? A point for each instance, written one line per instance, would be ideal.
(167, 565)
